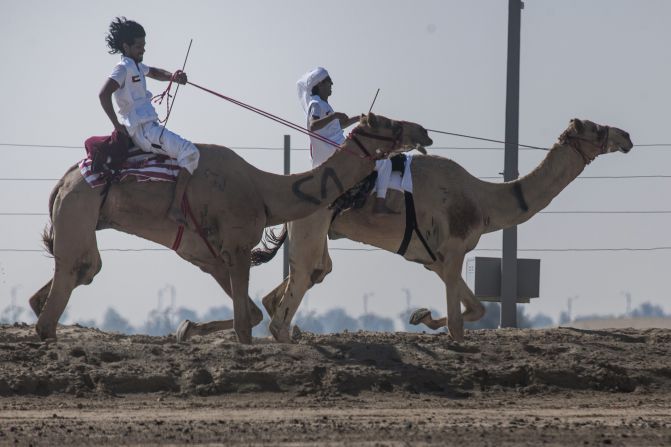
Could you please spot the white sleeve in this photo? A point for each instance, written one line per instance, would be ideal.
(315, 111)
(144, 68)
(119, 74)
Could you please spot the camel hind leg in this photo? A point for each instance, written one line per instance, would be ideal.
(39, 298)
(77, 262)
(272, 299)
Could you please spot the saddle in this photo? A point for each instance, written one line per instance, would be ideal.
(108, 153)
(355, 197)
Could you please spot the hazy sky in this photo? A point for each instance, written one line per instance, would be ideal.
(439, 63)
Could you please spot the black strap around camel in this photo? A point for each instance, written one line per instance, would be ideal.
(410, 226)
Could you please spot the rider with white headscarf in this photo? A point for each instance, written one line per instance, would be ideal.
(314, 88)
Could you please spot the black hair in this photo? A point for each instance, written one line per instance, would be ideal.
(314, 89)
(123, 31)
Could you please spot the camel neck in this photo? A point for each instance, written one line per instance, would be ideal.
(296, 196)
(559, 168)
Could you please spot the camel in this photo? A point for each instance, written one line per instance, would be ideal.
(453, 210)
(232, 200)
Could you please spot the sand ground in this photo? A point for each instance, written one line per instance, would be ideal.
(561, 386)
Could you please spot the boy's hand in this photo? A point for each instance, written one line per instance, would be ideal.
(180, 77)
(340, 117)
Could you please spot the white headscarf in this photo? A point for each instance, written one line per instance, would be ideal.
(307, 82)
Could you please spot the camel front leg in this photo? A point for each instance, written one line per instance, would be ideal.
(455, 321)
(455, 290)
(241, 263)
(188, 328)
(309, 263)
(474, 308)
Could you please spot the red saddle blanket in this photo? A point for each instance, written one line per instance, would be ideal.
(144, 166)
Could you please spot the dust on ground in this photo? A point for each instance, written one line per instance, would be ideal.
(561, 386)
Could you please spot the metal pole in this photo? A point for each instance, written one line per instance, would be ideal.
(287, 170)
(509, 261)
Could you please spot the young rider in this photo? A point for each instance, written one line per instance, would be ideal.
(138, 118)
(314, 88)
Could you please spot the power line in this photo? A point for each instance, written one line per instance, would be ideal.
(498, 177)
(275, 148)
(548, 250)
(540, 212)
(626, 249)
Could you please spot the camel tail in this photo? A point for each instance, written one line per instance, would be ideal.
(271, 245)
(48, 238)
(48, 232)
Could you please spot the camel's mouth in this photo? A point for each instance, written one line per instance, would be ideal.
(426, 141)
(627, 144)
(421, 149)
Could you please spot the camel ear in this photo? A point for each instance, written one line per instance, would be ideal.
(372, 121)
(577, 125)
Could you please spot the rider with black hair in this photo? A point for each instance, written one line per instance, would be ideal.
(139, 120)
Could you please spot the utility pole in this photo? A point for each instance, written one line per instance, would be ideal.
(569, 307)
(510, 173)
(287, 171)
(365, 301)
(407, 300)
(627, 299)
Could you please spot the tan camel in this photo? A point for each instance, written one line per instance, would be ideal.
(453, 210)
(232, 200)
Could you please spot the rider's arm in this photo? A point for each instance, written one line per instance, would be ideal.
(105, 97)
(319, 123)
(164, 75)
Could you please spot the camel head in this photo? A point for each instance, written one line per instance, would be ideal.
(390, 136)
(591, 139)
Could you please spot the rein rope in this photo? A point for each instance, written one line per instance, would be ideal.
(288, 123)
(485, 139)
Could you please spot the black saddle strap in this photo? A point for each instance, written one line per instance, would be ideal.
(105, 192)
(410, 226)
(112, 177)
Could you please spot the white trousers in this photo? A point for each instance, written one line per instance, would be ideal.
(170, 144)
(383, 168)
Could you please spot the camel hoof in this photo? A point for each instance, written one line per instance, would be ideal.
(46, 334)
(296, 333)
(182, 333)
(418, 315)
(457, 338)
(456, 331)
(280, 332)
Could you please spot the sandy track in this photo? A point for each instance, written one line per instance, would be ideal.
(505, 387)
